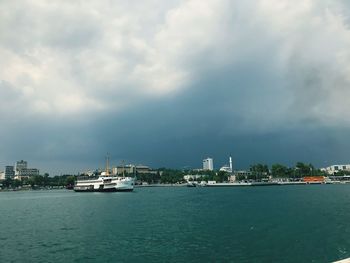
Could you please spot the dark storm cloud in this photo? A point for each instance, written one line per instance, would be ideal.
(180, 132)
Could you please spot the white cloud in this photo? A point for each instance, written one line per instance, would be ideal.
(76, 57)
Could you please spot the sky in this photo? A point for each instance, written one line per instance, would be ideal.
(168, 83)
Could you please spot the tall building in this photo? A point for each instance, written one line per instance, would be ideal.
(208, 164)
(20, 165)
(9, 171)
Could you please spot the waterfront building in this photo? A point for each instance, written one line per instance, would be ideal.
(242, 173)
(27, 172)
(124, 169)
(133, 169)
(9, 171)
(208, 164)
(21, 165)
(334, 169)
(2, 175)
(193, 177)
(143, 169)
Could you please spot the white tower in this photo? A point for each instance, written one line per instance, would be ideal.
(231, 164)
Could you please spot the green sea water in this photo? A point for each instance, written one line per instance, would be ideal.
(308, 223)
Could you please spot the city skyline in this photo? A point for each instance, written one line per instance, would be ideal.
(20, 168)
(169, 83)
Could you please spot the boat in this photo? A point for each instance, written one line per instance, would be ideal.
(105, 183)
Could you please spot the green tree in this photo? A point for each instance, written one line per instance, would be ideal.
(171, 176)
(279, 171)
(7, 182)
(221, 176)
(241, 177)
(16, 183)
(69, 180)
(302, 169)
(259, 171)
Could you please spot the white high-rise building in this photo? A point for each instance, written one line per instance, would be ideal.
(208, 164)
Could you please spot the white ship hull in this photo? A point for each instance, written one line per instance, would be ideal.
(124, 184)
(105, 184)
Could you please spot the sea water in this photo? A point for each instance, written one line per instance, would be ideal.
(301, 223)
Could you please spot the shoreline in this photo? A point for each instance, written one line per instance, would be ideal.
(160, 185)
(213, 185)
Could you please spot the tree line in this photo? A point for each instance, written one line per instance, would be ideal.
(38, 181)
(262, 171)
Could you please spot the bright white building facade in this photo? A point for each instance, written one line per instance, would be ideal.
(333, 169)
(193, 177)
(208, 164)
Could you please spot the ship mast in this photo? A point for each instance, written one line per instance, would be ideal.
(107, 165)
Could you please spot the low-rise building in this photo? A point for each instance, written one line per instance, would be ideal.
(334, 169)
(143, 169)
(133, 169)
(28, 172)
(193, 177)
(125, 169)
(240, 175)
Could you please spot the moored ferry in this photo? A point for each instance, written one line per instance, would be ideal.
(105, 183)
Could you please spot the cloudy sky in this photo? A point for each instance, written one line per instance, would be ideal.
(167, 83)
